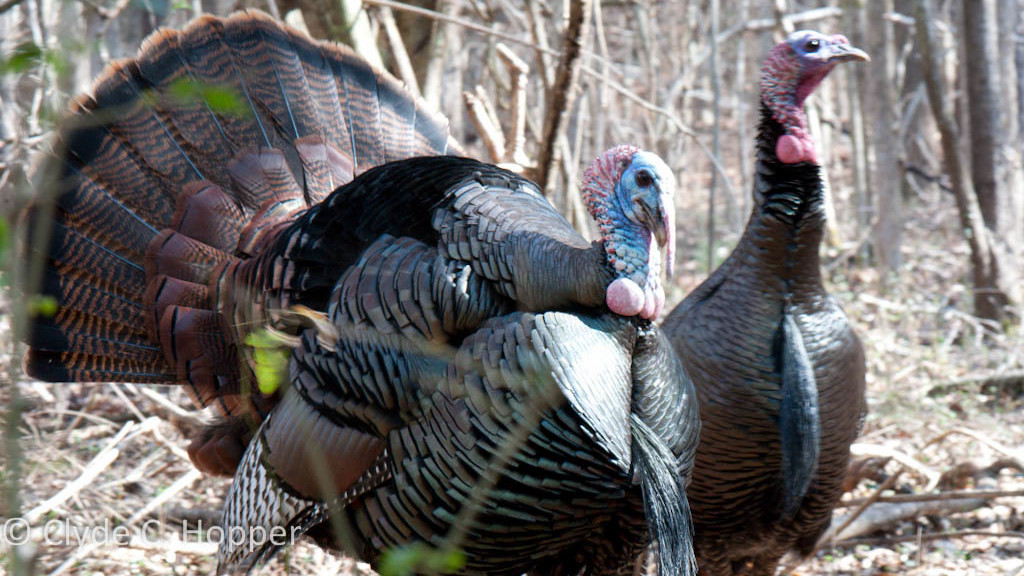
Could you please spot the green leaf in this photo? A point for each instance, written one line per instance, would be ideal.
(449, 561)
(57, 60)
(45, 306)
(29, 55)
(221, 99)
(4, 238)
(420, 558)
(25, 56)
(270, 358)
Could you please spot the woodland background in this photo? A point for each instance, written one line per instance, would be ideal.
(922, 149)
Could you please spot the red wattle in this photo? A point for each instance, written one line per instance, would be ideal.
(650, 303)
(659, 302)
(625, 297)
(792, 150)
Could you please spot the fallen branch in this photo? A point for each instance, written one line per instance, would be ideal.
(959, 476)
(989, 442)
(869, 467)
(170, 411)
(936, 497)
(838, 527)
(97, 465)
(881, 515)
(184, 481)
(864, 449)
(176, 546)
(171, 447)
(203, 516)
(925, 537)
(180, 484)
(116, 387)
(978, 381)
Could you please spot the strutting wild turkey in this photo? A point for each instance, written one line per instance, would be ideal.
(408, 432)
(779, 371)
(445, 302)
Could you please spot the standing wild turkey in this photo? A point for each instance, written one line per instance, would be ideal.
(779, 371)
(583, 423)
(182, 224)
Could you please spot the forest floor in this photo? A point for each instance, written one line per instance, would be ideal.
(945, 396)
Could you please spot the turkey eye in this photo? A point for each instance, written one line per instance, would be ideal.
(812, 45)
(643, 179)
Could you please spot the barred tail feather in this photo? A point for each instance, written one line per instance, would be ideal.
(258, 504)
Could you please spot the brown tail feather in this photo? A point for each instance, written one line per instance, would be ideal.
(262, 175)
(324, 166)
(75, 255)
(194, 342)
(266, 224)
(205, 212)
(164, 292)
(79, 367)
(178, 256)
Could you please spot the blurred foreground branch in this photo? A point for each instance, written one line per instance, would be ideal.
(8, 4)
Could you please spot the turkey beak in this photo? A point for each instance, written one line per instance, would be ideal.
(843, 52)
(652, 220)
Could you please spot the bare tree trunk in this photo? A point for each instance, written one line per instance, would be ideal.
(359, 33)
(716, 147)
(740, 100)
(576, 32)
(437, 52)
(979, 17)
(883, 147)
(1010, 179)
(1019, 58)
(994, 157)
(1007, 36)
(8, 104)
(418, 34)
(989, 299)
(861, 191)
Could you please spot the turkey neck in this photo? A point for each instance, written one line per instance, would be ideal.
(784, 233)
(569, 275)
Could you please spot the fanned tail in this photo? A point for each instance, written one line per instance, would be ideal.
(185, 164)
